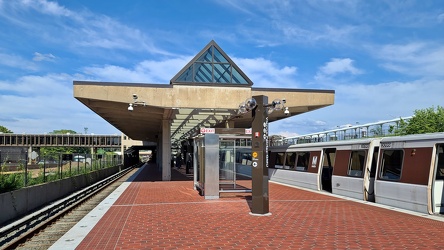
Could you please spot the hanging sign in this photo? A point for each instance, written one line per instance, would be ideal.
(207, 130)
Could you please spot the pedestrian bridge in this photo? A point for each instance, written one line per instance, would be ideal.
(58, 140)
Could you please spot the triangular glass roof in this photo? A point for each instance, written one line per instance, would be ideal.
(211, 66)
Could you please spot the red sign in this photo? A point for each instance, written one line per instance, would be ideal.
(207, 130)
(256, 134)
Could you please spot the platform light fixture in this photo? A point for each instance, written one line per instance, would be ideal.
(247, 106)
(251, 103)
(135, 103)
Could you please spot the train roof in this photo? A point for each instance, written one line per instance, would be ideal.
(327, 144)
(416, 137)
(405, 138)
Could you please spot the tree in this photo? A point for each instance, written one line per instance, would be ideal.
(5, 130)
(423, 121)
(55, 152)
(63, 132)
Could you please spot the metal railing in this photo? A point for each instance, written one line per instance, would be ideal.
(16, 171)
(368, 130)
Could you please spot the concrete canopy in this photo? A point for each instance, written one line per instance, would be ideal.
(205, 93)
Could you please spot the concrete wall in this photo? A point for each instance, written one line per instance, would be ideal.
(20, 202)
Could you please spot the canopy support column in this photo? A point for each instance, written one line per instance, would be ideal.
(166, 150)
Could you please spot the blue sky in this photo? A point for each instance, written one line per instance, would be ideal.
(384, 59)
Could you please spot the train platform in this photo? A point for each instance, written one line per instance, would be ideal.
(146, 213)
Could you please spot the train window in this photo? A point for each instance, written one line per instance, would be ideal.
(391, 164)
(302, 161)
(440, 163)
(329, 157)
(290, 160)
(356, 163)
(280, 157)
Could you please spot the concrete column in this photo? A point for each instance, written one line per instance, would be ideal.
(166, 150)
(195, 159)
(30, 155)
(159, 153)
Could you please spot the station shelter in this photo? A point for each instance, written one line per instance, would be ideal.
(204, 96)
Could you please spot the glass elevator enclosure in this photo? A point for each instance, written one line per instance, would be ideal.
(219, 160)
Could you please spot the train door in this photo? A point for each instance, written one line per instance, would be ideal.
(328, 162)
(438, 184)
(369, 176)
(370, 170)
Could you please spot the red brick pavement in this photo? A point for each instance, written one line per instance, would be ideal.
(153, 214)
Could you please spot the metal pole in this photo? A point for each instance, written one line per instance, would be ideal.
(26, 169)
(59, 166)
(260, 201)
(44, 169)
(78, 163)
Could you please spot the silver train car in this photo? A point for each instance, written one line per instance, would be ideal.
(404, 171)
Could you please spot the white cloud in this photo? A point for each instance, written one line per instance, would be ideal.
(441, 18)
(262, 72)
(15, 61)
(43, 57)
(75, 29)
(144, 72)
(39, 104)
(363, 103)
(266, 73)
(36, 86)
(337, 66)
(51, 8)
(416, 58)
(286, 133)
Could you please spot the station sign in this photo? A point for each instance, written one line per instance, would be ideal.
(248, 131)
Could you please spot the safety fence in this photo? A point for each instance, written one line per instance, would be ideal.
(17, 171)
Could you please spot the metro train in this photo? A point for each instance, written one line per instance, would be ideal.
(402, 171)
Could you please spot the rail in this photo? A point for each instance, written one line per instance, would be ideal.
(18, 230)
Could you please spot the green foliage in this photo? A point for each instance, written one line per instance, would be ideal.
(63, 132)
(423, 121)
(13, 179)
(53, 153)
(10, 181)
(5, 130)
(377, 131)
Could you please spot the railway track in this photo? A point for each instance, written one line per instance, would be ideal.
(44, 227)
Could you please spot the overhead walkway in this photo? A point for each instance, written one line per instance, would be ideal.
(147, 213)
(65, 140)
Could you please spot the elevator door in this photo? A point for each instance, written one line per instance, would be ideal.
(227, 163)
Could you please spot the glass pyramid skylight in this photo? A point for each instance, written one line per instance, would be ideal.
(211, 65)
